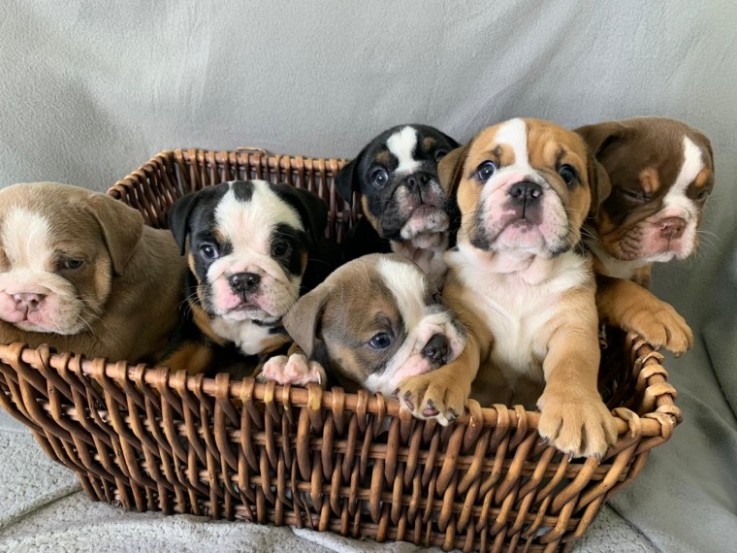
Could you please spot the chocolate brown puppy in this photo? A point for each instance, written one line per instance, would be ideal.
(662, 172)
(522, 284)
(79, 271)
(373, 322)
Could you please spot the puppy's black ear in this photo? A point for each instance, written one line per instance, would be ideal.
(346, 180)
(122, 228)
(599, 184)
(302, 320)
(312, 210)
(450, 169)
(179, 218)
(451, 141)
(602, 136)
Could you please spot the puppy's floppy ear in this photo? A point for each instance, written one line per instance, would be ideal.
(601, 136)
(179, 218)
(302, 320)
(311, 209)
(346, 180)
(450, 169)
(122, 228)
(599, 184)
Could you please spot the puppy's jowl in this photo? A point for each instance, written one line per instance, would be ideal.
(662, 172)
(406, 208)
(374, 322)
(80, 271)
(521, 284)
(253, 248)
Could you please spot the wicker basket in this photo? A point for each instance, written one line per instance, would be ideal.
(148, 439)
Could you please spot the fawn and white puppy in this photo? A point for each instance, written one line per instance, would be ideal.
(374, 322)
(522, 285)
(79, 271)
(662, 172)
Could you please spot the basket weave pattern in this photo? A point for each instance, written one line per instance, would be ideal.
(148, 439)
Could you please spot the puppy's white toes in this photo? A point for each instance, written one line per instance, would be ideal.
(273, 369)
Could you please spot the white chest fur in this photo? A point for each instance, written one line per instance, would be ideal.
(516, 305)
(250, 338)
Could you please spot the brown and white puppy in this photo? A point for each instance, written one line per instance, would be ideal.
(253, 248)
(374, 322)
(662, 172)
(406, 209)
(80, 272)
(522, 285)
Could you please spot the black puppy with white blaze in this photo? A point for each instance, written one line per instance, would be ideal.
(254, 247)
(405, 206)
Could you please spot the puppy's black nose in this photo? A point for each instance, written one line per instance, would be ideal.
(417, 180)
(437, 348)
(244, 282)
(525, 191)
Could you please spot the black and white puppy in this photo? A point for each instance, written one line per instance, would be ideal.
(254, 247)
(406, 208)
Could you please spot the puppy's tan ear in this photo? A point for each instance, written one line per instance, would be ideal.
(450, 169)
(599, 184)
(302, 320)
(122, 227)
(601, 136)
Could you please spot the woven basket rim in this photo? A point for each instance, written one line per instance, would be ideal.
(312, 397)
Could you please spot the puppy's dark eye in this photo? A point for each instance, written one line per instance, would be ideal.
(702, 195)
(440, 153)
(634, 195)
(568, 174)
(279, 249)
(379, 177)
(209, 251)
(70, 263)
(382, 340)
(485, 171)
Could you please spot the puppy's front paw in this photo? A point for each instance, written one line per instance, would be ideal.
(295, 369)
(661, 326)
(578, 426)
(433, 396)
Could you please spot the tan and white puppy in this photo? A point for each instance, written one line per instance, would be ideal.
(522, 285)
(374, 322)
(80, 271)
(662, 172)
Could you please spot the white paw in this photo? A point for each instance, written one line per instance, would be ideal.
(295, 369)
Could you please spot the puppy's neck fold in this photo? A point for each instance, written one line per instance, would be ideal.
(530, 268)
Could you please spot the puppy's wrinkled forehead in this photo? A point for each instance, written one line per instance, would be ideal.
(529, 143)
(408, 148)
(248, 212)
(408, 286)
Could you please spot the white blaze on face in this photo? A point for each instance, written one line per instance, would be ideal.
(402, 145)
(654, 246)
(408, 285)
(248, 226)
(517, 237)
(27, 240)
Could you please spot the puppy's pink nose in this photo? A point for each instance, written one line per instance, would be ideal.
(672, 227)
(30, 302)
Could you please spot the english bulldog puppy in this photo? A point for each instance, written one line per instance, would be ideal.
(252, 249)
(374, 322)
(79, 271)
(405, 207)
(662, 172)
(522, 285)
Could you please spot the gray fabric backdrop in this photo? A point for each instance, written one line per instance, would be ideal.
(89, 90)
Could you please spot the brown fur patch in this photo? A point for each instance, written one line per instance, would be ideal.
(370, 216)
(384, 157)
(649, 180)
(428, 143)
(192, 357)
